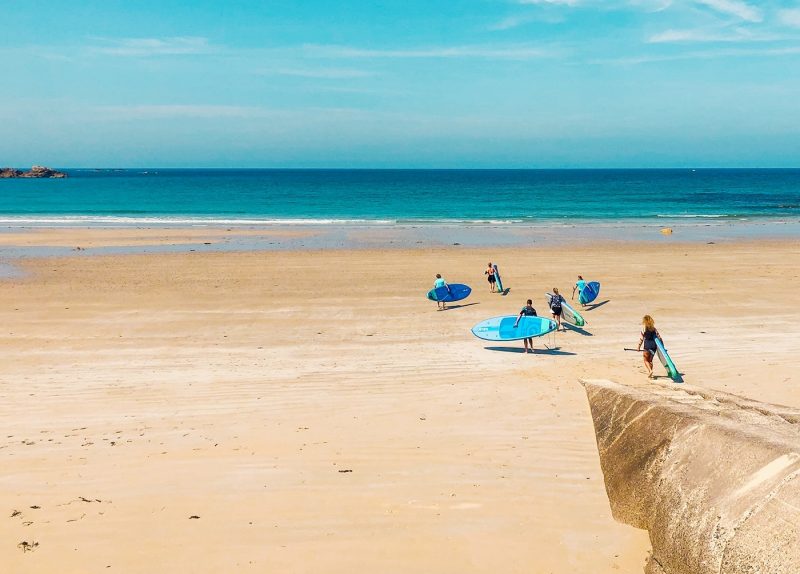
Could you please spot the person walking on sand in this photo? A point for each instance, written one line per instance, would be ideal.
(556, 308)
(579, 285)
(491, 278)
(648, 339)
(527, 311)
(440, 283)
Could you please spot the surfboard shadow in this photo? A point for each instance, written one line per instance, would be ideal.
(505, 291)
(579, 330)
(555, 351)
(449, 307)
(593, 306)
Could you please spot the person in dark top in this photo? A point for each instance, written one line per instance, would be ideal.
(491, 278)
(527, 311)
(648, 339)
(556, 308)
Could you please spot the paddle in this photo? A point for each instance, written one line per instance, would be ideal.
(627, 349)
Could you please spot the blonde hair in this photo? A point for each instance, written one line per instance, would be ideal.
(555, 290)
(649, 324)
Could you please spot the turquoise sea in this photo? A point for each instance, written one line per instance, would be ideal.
(265, 196)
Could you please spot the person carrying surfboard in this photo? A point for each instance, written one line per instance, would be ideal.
(440, 283)
(555, 307)
(579, 285)
(527, 311)
(490, 277)
(648, 339)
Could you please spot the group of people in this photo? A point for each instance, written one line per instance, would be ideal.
(647, 339)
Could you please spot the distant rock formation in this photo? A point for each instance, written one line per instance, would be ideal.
(714, 478)
(36, 171)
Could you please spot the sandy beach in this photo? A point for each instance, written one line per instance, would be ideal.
(311, 411)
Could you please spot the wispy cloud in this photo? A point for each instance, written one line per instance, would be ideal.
(551, 2)
(699, 35)
(143, 112)
(736, 8)
(790, 17)
(177, 45)
(701, 55)
(511, 22)
(323, 73)
(486, 52)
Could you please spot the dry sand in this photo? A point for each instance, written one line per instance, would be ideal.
(317, 414)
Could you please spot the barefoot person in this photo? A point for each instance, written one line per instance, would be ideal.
(556, 308)
(491, 278)
(527, 311)
(440, 283)
(579, 285)
(648, 338)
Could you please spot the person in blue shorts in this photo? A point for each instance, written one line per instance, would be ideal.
(579, 285)
(527, 311)
(440, 283)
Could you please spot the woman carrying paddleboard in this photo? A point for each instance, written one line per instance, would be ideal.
(490, 277)
(555, 308)
(440, 283)
(527, 311)
(648, 339)
(579, 285)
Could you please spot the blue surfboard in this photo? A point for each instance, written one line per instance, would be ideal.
(497, 279)
(589, 292)
(503, 329)
(453, 292)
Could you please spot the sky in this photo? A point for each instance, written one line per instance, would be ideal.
(406, 83)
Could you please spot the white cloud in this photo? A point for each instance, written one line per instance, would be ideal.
(551, 2)
(487, 52)
(705, 35)
(178, 45)
(142, 112)
(736, 8)
(323, 73)
(790, 17)
(702, 55)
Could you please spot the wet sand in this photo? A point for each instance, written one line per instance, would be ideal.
(311, 411)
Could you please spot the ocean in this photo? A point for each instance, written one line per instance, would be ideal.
(385, 197)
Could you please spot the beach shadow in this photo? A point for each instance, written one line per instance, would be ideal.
(593, 306)
(449, 307)
(579, 330)
(555, 351)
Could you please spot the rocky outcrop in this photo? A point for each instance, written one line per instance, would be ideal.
(714, 478)
(36, 171)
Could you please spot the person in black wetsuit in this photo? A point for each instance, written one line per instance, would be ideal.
(556, 308)
(648, 339)
(527, 311)
(491, 277)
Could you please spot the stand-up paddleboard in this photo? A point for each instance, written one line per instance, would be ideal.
(568, 314)
(497, 279)
(456, 292)
(503, 329)
(665, 359)
(589, 292)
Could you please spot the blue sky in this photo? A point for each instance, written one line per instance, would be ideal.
(473, 83)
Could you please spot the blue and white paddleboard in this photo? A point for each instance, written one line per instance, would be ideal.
(503, 329)
(568, 314)
(665, 359)
(497, 279)
(450, 293)
(589, 292)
